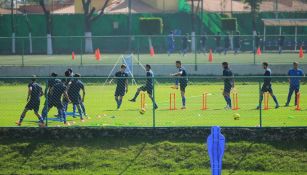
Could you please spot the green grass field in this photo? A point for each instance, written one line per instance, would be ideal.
(101, 106)
(147, 156)
(243, 58)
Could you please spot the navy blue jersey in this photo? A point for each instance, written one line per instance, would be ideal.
(228, 81)
(36, 91)
(57, 91)
(149, 82)
(295, 76)
(52, 82)
(267, 78)
(74, 89)
(121, 79)
(183, 75)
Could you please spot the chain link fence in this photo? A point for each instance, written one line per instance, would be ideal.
(124, 101)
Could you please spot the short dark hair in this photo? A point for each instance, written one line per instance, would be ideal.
(53, 74)
(265, 64)
(225, 64)
(69, 70)
(148, 66)
(178, 62)
(33, 77)
(77, 75)
(295, 62)
(67, 74)
(123, 66)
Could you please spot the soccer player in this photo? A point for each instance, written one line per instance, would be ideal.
(56, 93)
(51, 82)
(281, 41)
(185, 41)
(68, 74)
(267, 86)
(170, 43)
(258, 41)
(35, 91)
(228, 84)
(74, 94)
(296, 75)
(148, 87)
(203, 40)
(237, 43)
(122, 85)
(183, 80)
(226, 43)
(218, 42)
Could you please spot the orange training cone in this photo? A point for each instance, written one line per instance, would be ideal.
(210, 58)
(152, 51)
(301, 53)
(259, 51)
(97, 54)
(73, 55)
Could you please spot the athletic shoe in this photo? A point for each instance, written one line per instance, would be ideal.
(82, 120)
(18, 123)
(132, 100)
(155, 107)
(287, 105)
(277, 106)
(41, 124)
(67, 124)
(258, 107)
(227, 107)
(183, 107)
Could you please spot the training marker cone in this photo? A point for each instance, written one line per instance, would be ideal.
(152, 51)
(259, 51)
(210, 58)
(301, 53)
(73, 55)
(97, 54)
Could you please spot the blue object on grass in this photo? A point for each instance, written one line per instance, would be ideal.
(216, 146)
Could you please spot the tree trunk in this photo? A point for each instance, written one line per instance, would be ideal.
(30, 43)
(88, 42)
(49, 44)
(13, 43)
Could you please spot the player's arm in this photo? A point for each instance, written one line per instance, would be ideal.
(177, 73)
(29, 93)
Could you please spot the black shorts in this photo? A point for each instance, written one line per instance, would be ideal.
(183, 86)
(147, 89)
(227, 89)
(120, 92)
(75, 100)
(267, 88)
(55, 103)
(33, 105)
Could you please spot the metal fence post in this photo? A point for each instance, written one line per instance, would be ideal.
(22, 55)
(153, 104)
(81, 52)
(260, 105)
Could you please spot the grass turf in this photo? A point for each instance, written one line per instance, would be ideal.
(100, 105)
(147, 156)
(243, 58)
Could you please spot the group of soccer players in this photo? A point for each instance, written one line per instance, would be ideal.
(70, 87)
(58, 93)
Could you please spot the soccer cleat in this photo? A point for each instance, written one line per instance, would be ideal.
(67, 124)
(132, 100)
(183, 107)
(41, 125)
(287, 105)
(258, 107)
(155, 107)
(277, 106)
(227, 107)
(18, 123)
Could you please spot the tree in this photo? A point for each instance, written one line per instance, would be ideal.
(89, 18)
(48, 26)
(13, 25)
(254, 4)
(29, 28)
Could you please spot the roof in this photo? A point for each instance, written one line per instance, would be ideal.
(285, 22)
(39, 9)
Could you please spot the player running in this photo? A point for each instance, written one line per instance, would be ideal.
(35, 91)
(74, 94)
(296, 75)
(183, 80)
(267, 86)
(122, 85)
(148, 87)
(56, 93)
(228, 84)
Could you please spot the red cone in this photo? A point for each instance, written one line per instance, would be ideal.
(301, 53)
(259, 51)
(210, 58)
(73, 55)
(152, 51)
(97, 54)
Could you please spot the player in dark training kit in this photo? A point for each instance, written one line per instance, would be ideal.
(183, 80)
(228, 84)
(55, 100)
(35, 91)
(74, 94)
(267, 86)
(122, 85)
(148, 87)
